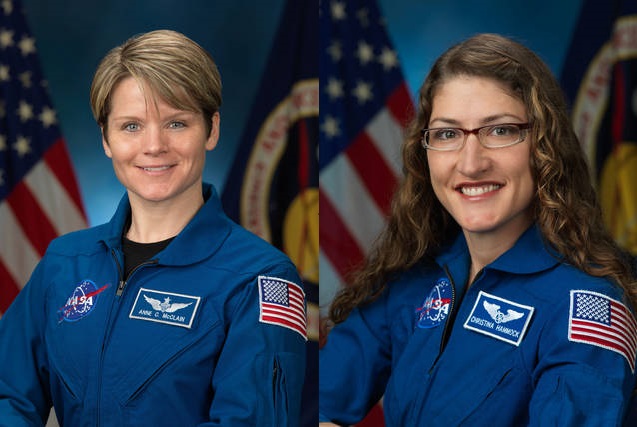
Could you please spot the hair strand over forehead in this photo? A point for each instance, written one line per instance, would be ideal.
(173, 66)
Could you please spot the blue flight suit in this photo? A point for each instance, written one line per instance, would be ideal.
(532, 341)
(186, 341)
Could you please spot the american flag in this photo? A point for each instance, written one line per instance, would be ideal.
(39, 197)
(282, 303)
(602, 321)
(365, 104)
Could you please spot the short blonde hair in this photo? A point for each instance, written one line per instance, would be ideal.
(179, 70)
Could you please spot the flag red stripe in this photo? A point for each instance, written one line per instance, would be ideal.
(610, 333)
(292, 315)
(336, 241)
(606, 344)
(296, 306)
(58, 160)
(400, 105)
(605, 334)
(9, 288)
(586, 335)
(373, 170)
(283, 322)
(35, 223)
(625, 327)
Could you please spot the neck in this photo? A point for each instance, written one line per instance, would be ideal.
(156, 221)
(486, 247)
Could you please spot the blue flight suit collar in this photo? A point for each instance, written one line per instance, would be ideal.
(528, 255)
(200, 239)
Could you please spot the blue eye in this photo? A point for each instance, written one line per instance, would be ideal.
(177, 125)
(131, 127)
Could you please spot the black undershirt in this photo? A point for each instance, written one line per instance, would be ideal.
(137, 253)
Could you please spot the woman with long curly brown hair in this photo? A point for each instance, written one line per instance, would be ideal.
(494, 288)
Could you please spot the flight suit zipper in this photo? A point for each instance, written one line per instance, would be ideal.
(452, 315)
(122, 283)
(446, 332)
(118, 293)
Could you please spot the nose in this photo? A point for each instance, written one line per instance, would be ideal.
(473, 158)
(154, 142)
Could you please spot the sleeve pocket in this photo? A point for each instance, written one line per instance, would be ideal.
(279, 404)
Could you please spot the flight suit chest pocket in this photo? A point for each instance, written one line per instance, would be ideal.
(188, 360)
(493, 401)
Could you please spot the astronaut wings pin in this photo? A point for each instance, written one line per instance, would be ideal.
(166, 306)
(498, 316)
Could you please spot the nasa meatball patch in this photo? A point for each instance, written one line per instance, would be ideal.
(435, 307)
(81, 302)
(165, 307)
(499, 318)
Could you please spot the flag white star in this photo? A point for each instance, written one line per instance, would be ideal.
(335, 51)
(7, 6)
(25, 111)
(27, 45)
(5, 74)
(362, 92)
(338, 10)
(47, 117)
(6, 39)
(22, 146)
(330, 127)
(334, 88)
(365, 52)
(388, 59)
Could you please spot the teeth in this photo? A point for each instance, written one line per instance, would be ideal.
(156, 169)
(477, 191)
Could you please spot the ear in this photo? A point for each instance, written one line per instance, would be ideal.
(107, 148)
(213, 138)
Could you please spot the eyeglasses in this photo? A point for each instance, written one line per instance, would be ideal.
(490, 136)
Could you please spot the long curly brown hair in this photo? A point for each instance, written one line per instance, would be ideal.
(565, 208)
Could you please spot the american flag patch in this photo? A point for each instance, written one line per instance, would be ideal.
(599, 320)
(282, 303)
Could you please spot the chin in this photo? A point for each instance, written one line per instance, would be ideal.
(153, 196)
(478, 226)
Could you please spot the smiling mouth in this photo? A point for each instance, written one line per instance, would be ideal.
(156, 168)
(478, 190)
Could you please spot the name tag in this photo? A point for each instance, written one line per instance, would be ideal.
(499, 318)
(165, 307)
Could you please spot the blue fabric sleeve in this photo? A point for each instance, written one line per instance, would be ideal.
(24, 379)
(354, 365)
(259, 375)
(578, 384)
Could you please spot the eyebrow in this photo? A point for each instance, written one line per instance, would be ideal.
(485, 121)
(180, 114)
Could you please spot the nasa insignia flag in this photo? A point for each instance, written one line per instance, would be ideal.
(600, 80)
(272, 187)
